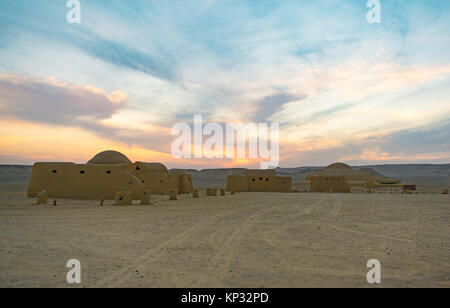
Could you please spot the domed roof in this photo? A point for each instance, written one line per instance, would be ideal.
(109, 157)
(149, 167)
(156, 168)
(339, 166)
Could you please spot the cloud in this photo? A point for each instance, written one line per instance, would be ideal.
(394, 147)
(125, 56)
(434, 139)
(320, 115)
(270, 105)
(335, 83)
(49, 101)
(55, 102)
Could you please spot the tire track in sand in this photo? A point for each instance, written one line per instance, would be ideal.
(270, 237)
(227, 250)
(119, 277)
(335, 213)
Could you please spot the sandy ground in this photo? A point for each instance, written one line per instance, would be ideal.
(243, 240)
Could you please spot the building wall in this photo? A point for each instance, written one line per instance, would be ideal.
(388, 190)
(409, 187)
(160, 183)
(370, 184)
(302, 187)
(260, 172)
(94, 181)
(337, 184)
(259, 183)
(237, 183)
(139, 168)
(269, 184)
(82, 181)
(358, 189)
(185, 185)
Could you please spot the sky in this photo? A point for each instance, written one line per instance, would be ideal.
(341, 89)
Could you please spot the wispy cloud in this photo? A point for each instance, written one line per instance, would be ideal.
(56, 102)
(49, 101)
(339, 87)
(270, 105)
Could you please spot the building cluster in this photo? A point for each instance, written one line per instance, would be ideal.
(341, 178)
(105, 174)
(258, 181)
(110, 175)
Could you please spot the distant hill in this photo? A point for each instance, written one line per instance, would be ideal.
(14, 175)
(420, 174)
(372, 172)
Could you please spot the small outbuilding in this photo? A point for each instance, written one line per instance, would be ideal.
(258, 181)
(340, 177)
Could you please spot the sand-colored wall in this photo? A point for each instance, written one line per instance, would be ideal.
(329, 184)
(123, 198)
(160, 183)
(260, 172)
(269, 184)
(139, 168)
(358, 189)
(211, 192)
(352, 175)
(301, 186)
(185, 183)
(92, 181)
(409, 187)
(82, 181)
(388, 189)
(259, 183)
(237, 183)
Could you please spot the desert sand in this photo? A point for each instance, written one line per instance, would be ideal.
(242, 240)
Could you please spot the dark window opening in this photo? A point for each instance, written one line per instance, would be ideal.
(82, 171)
(137, 168)
(260, 178)
(253, 179)
(54, 171)
(108, 172)
(142, 181)
(267, 179)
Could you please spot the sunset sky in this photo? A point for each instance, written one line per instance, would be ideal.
(341, 89)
